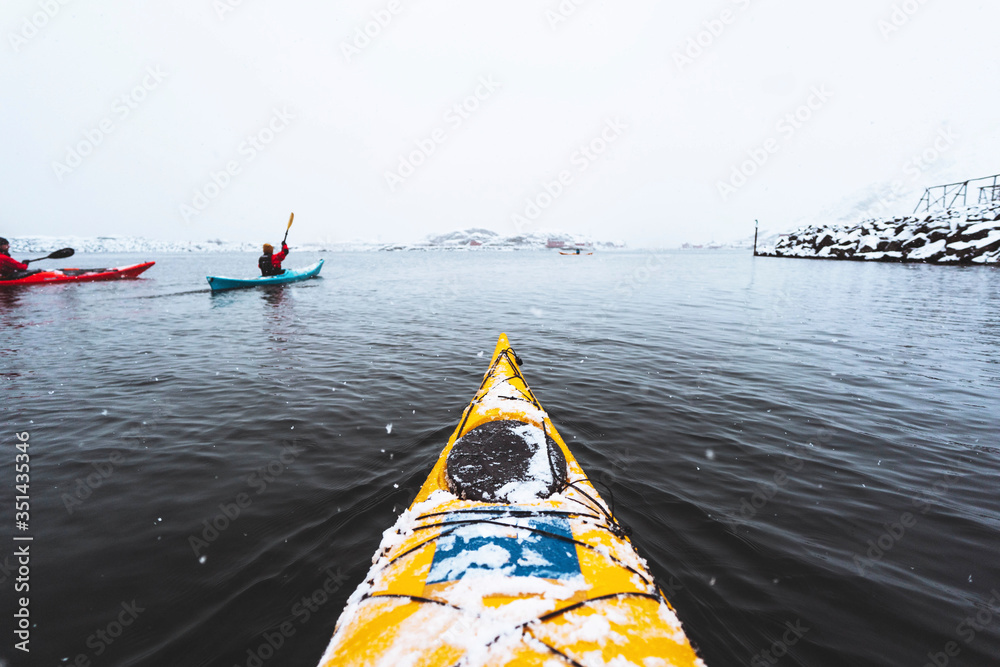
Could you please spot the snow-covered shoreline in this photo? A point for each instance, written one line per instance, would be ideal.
(120, 244)
(486, 239)
(957, 236)
(465, 240)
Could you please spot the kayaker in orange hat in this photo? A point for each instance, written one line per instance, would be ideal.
(269, 263)
(9, 267)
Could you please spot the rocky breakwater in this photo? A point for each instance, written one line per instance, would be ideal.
(957, 236)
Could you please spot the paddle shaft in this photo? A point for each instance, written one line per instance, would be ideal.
(58, 254)
(290, 219)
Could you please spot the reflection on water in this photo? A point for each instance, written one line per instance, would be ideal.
(10, 298)
(279, 320)
(760, 425)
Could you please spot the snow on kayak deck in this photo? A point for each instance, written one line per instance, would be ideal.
(539, 475)
(483, 630)
(508, 556)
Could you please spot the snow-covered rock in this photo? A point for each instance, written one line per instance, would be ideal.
(957, 236)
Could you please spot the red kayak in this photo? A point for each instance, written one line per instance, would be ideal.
(78, 275)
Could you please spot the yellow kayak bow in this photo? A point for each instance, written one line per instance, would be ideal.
(507, 556)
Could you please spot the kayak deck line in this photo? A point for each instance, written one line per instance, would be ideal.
(445, 533)
(507, 555)
(524, 627)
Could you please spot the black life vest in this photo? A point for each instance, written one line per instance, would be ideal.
(267, 267)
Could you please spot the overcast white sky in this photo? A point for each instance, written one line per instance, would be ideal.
(201, 76)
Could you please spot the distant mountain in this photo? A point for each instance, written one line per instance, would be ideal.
(467, 239)
(464, 237)
(477, 238)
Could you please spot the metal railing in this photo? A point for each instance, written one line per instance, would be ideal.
(989, 194)
(949, 195)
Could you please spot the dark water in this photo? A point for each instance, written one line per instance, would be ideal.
(758, 422)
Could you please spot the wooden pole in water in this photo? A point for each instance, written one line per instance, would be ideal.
(755, 226)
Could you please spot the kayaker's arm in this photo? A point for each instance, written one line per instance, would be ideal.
(7, 260)
(280, 257)
(10, 266)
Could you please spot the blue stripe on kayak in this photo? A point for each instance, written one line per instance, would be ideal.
(467, 551)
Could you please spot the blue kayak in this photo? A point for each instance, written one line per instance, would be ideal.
(289, 276)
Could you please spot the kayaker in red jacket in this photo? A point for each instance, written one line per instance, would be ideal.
(9, 267)
(269, 263)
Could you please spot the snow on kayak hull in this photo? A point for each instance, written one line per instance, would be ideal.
(507, 556)
(79, 275)
(289, 276)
